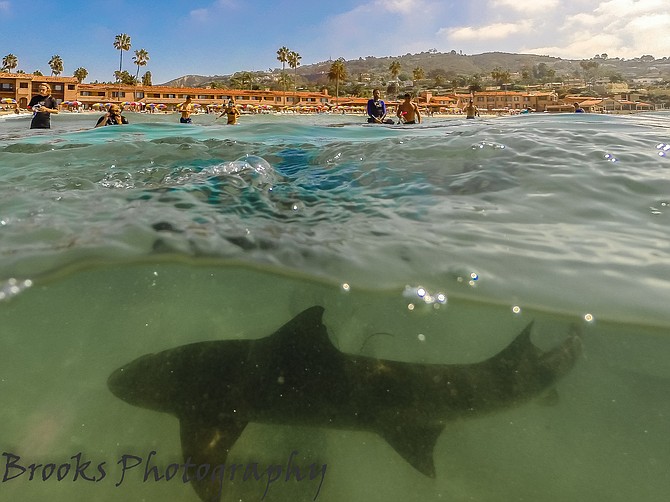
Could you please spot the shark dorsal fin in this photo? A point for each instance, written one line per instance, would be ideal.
(521, 346)
(415, 444)
(202, 444)
(304, 329)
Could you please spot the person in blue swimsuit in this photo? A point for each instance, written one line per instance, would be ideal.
(377, 109)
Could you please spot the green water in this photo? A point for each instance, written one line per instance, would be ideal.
(606, 438)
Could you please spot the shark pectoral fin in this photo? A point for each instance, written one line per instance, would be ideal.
(202, 443)
(415, 444)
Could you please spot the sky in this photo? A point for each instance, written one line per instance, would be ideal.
(220, 37)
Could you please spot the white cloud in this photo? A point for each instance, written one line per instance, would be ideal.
(5, 6)
(215, 10)
(400, 6)
(526, 5)
(493, 31)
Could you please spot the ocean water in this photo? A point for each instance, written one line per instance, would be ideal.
(446, 238)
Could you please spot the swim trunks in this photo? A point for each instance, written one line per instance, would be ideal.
(182, 120)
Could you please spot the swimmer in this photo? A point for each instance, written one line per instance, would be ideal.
(471, 111)
(186, 108)
(408, 111)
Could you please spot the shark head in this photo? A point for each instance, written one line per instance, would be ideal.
(143, 383)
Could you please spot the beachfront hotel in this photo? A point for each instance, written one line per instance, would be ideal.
(68, 91)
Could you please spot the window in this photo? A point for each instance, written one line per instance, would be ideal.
(7, 87)
(85, 93)
(70, 87)
(23, 85)
(170, 95)
(139, 95)
(58, 87)
(117, 94)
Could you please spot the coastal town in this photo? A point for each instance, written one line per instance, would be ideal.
(498, 93)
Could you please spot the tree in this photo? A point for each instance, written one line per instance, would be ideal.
(282, 56)
(337, 73)
(242, 80)
(38, 73)
(146, 79)
(80, 74)
(394, 68)
(500, 76)
(121, 43)
(418, 73)
(125, 78)
(56, 65)
(141, 58)
(294, 61)
(9, 62)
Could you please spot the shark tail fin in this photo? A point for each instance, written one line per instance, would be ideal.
(415, 444)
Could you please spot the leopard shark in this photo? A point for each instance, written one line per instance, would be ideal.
(296, 376)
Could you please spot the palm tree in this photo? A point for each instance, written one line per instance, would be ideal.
(80, 74)
(294, 61)
(56, 65)
(242, 79)
(337, 72)
(282, 56)
(500, 76)
(146, 79)
(141, 58)
(418, 73)
(121, 43)
(394, 68)
(9, 62)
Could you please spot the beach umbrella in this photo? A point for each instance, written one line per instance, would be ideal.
(8, 101)
(161, 106)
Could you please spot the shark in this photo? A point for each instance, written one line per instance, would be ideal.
(297, 376)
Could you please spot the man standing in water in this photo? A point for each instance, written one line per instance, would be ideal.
(42, 105)
(471, 110)
(408, 111)
(186, 108)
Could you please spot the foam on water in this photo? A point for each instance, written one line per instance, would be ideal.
(436, 243)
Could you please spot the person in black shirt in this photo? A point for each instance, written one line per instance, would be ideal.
(42, 105)
(112, 117)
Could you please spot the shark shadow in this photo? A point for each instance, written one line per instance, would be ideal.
(297, 377)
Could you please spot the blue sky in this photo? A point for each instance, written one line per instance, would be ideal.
(216, 37)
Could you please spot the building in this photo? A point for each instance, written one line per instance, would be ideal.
(23, 86)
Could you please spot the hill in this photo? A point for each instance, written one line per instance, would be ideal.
(453, 64)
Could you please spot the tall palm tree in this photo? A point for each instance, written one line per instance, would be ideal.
(337, 72)
(80, 74)
(9, 62)
(294, 61)
(141, 58)
(282, 56)
(394, 68)
(146, 79)
(121, 43)
(56, 65)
